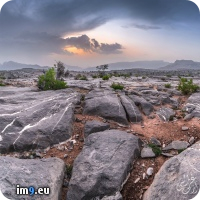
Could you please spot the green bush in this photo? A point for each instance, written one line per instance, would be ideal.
(143, 77)
(1, 84)
(47, 81)
(155, 149)
(94, 76)
(117, 86)
(80, 77)
(105, 77)
(187, 86)
(168, 85)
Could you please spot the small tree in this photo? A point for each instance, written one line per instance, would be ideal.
(187, 86)
(60, 70)
(101, 69)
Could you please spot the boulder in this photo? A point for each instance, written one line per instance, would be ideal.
(192, 106)
(32, 120)
(166, 114)
(178, 178)
(131, 109)
(37, 173)
(95, 126)
(103, 165)
(146, 107)
(106, 104)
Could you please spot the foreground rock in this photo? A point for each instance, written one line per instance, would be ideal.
(106, 104)
(178, 178)
(32, 120)
(192, 106)
(103, 165)
(37, 173)
(147, 108)
(132, 110)
(166, 114)
(95, 126)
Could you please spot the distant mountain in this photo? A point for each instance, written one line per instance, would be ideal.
(182, 64)
(133, 65)
(73, 68)
(14, 65)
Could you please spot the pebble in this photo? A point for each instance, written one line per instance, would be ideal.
(144, 176)
(65, 156)
(185, 128)
(191, 140)
(137, 180)
(149, 171)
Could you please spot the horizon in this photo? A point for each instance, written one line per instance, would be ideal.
(90, 33)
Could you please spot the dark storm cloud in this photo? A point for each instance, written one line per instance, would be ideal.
(37, 25)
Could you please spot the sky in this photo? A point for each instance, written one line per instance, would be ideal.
(92, 32)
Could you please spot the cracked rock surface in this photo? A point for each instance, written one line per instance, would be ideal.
(31, 120)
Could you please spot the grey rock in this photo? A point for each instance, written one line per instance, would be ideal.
(192, 106)
(191, 140)
(155, 141)
(131, 109)
(37, 173)
(95, 126)
(178, 178)
(177, 145)
(149, 171)
(31, 120)
(147, 152)
(166, 114)
(103, 165)
(146, 107)
(167, 154)
(106, 104)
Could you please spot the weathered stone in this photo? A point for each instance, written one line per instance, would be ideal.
(106, 104)
(146, 107)
(103, 165)
(178, 178)
(32, 120)
(149, 171)
(117, 196)
(166, 114)
(131, 109)
(155, 141)
(95, 126)
(177, 145)
(37, 173)
(147, 152)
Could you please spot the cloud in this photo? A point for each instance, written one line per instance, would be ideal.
(142, 26)
(92, 45)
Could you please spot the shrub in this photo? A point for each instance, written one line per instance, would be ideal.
(94, 76)
(47, 81)
(69, 169)
(84, 78)
(169, 75)
(143, 77)
(168, 85)
(1, 84)
(106, 77)
(155, 149)
(117, 86)
(187, 86)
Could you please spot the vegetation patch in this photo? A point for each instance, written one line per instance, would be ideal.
(117, 86)
(168, 85)
(157, 150)
(187, 86)
(48, 81)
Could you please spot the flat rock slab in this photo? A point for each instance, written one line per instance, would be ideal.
(166, 114)
(177, 145)
(37, 173)
(132, 110)
(103, 165)
(94, 126)
(106, 104)
(178, 178)
(32, 120)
